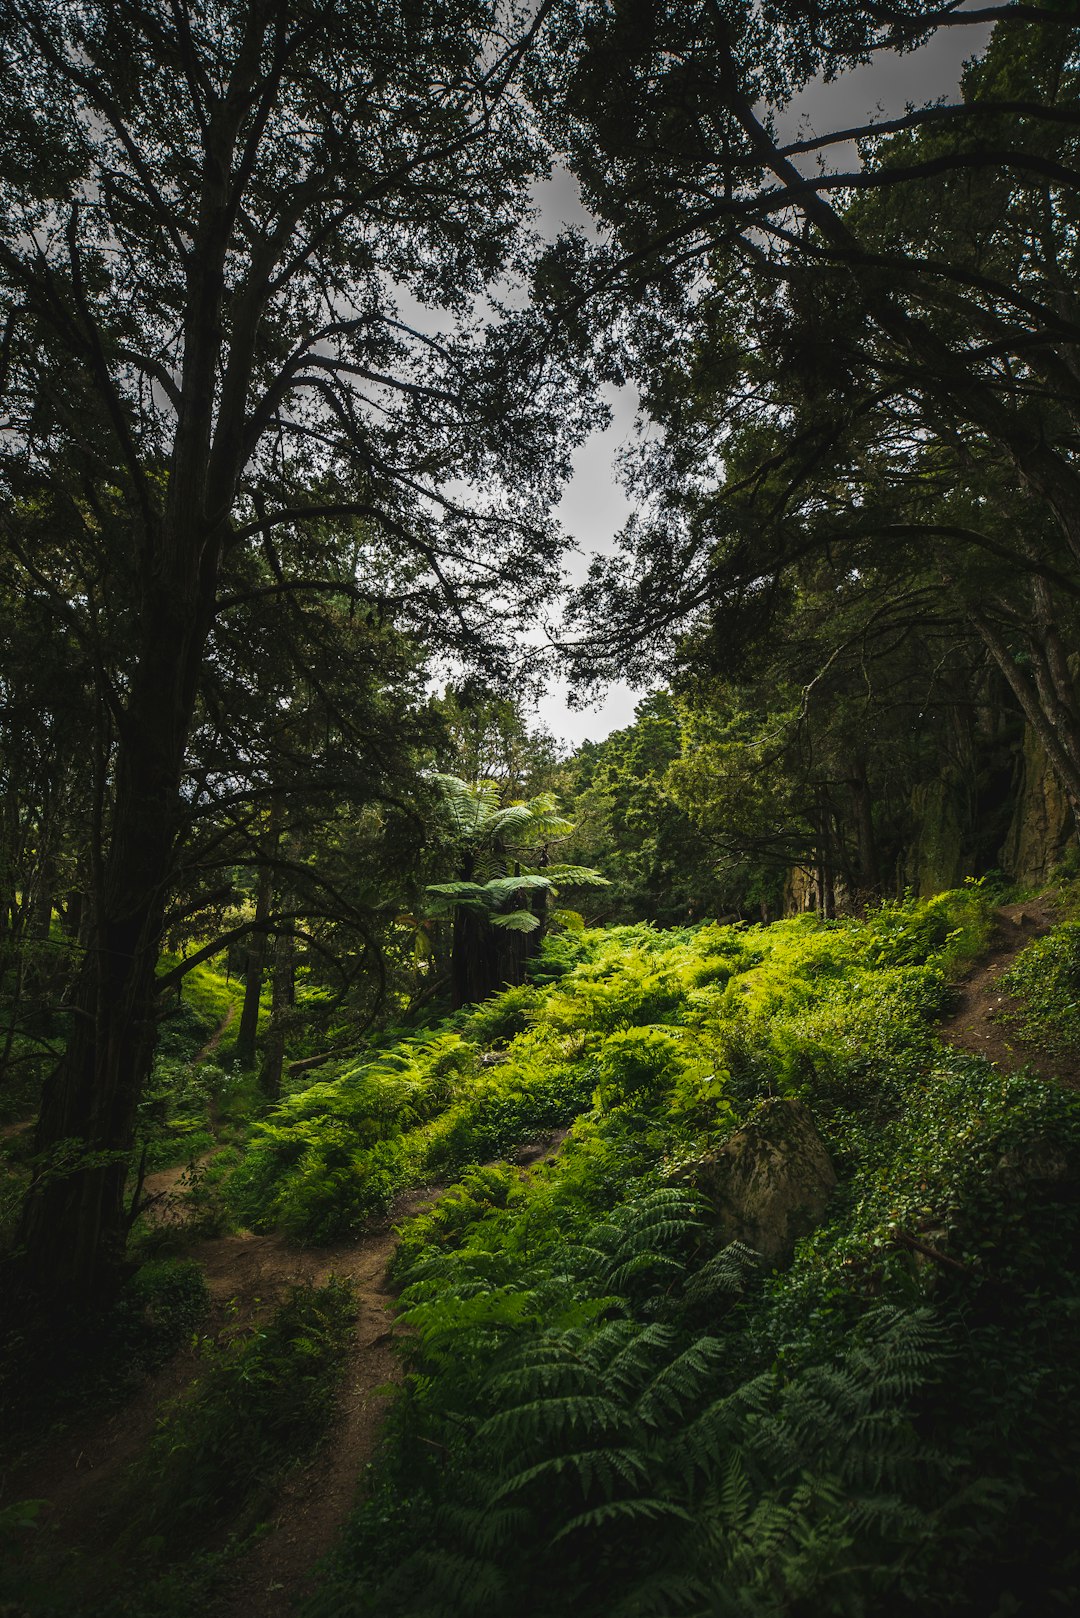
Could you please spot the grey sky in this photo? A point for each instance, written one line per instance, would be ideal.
(594, 507)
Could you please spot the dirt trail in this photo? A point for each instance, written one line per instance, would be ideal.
(79, 1473)
(317, 1497)
(313, 1505)
(217, 1036)
(975, 1024)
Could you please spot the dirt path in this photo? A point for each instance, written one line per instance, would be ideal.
(80, 1471)
(975, 1023)
(317, 1497)
(247, 1276)
(313, 1505)
(217, 1036)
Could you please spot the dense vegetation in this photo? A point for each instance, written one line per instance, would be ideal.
(611, 1406)
(301, 914)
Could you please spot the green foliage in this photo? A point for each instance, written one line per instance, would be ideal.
(703, 1016)
(611, 1411)
(955, 927)
(1046, 980)
(163, 1304)
(639, 1065)
(496, 1021)
(337, 1153)
(264, 1399)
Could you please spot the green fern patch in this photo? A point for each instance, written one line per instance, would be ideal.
(612, 1411)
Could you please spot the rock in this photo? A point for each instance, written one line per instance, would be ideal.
(1040, 1164)
(770, 1183)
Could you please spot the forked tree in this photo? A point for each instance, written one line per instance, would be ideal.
(245, 243)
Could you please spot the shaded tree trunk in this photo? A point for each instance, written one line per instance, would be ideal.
(256, 960)
(474, 963)
(1049, 709)
(283, 997)
(74, 1223)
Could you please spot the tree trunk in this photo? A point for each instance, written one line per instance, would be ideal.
(74, 1225)
(863, 805)
(475, 972)
(1057, 730)
(256, 961)
(282, 998)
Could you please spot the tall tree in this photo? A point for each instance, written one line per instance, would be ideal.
(873, 358)
(222, 226)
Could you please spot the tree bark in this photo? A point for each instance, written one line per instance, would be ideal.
(282, 999)
(1060, 740)
(73, 1227)
(256, 960)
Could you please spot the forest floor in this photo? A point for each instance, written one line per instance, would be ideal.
(80, 1471)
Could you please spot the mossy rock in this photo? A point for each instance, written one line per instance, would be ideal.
(771, 1182)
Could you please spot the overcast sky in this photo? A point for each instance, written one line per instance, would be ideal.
(594, 507)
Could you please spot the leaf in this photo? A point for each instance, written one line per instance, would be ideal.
(517, 921)
(576, 875)
(502, 886)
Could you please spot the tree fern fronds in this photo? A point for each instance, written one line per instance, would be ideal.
(468, 806)
(577, 876)
(510, 819)
(516, 921)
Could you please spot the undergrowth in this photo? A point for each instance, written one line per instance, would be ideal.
(703, 1020)
(261, 1402)
(1045, 978)
(612, 1408)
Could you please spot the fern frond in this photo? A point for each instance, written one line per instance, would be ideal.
(578, 876)
(681, 1384)
(508, 820)
(631, 1510)
(604, 1466)
(545, 1418)
(516, 921)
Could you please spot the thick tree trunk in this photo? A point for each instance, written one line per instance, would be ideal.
(1050, 711)
(74, 1224)
(475, 972)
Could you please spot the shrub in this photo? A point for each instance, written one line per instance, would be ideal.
(1045, 978)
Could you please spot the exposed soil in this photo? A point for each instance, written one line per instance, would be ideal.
(248, 1275)
(217, 1036)
(313, 1505)
(978, 1022)
(317, 1497)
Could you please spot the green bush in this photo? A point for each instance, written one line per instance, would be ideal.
(610, 1413)
(1045, 978)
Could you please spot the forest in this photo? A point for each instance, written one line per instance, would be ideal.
(447, 1172)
